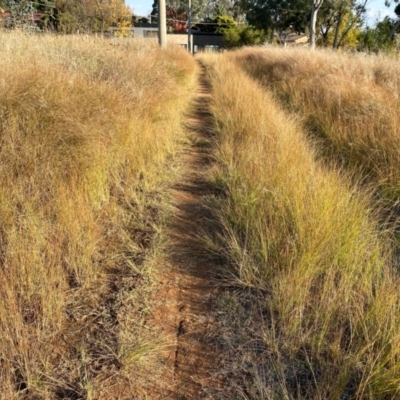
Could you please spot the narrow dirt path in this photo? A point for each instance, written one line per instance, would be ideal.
(184, 300)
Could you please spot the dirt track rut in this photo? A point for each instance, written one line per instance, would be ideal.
(187, 290)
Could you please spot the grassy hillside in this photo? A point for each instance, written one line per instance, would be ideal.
(87, 130)
(313, 309)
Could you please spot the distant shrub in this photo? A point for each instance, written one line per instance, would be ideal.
(237, 35)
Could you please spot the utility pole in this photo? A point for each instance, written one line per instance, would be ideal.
(162, 24)
(190, 27)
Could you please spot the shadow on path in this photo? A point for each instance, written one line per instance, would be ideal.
(195, 357)
(190, 288)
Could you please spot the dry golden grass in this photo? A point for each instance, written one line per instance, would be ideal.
(314, 309)
(87, 130)
(350, 102)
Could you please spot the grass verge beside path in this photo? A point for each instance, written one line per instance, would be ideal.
(350, 102)
(313, 310)
(88, 131)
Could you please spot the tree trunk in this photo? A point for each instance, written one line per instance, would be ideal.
(394, 29)
(271, 39)
(315, 6)
(335, 40)
(355, 20)
(324, 37)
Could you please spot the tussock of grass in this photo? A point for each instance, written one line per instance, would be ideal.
(351, 102)
(86, 127)
(316, 316)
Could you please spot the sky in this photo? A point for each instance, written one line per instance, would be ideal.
(140, 7)
(377, 9)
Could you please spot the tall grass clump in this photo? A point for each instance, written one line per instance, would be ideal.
(86, 129)
(313, 313)
(350, 102)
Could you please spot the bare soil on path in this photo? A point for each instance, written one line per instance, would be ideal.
(187, 290)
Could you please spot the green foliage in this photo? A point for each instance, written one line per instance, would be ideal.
(242, 35)
(204, 10)
(278, 14)
(251, 36)
(340, 21)
(377, 39)
(231, 36)
(21, 11)
(91, 15)
(140, 20)
(346, 31)
(217, 24)
(154, 12)
(223, 20)
(68, 16)
(67, 22)
(397, 10)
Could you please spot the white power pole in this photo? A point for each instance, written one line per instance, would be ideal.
(190, 27)
(162, 24)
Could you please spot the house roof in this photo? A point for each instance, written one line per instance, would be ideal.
(292, 39)
(296, 38)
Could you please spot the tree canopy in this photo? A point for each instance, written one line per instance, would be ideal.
(333, 23)
(277, 14)
(340, 19)
(203, 10)
(70, 16)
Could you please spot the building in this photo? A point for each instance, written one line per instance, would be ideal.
(292, 39)
(145, 30)
(8, 21)
(207, 41)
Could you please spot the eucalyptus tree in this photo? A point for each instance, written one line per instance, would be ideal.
(202, 10)
(315, 7)
(396, 25)
(21, 12)
(277, 15)
(90, 15)
(354, 13)
(337, 18)
(210, 9)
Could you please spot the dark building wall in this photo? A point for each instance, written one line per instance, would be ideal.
(201, 40)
